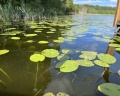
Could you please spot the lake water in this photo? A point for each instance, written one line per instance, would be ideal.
(86, 33)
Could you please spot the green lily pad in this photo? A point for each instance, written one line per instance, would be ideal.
(117, 49)
(49, 94)
(107, 58)
(50, 53)
(62, 57)
(114, 45)
(38, 31)
(69, 66)
(111, 40)
(85, 63)
(60, 38)
(58, 41)
(15, 38)
(119, 72)
(109, 89)
(30, 41)
(43, 42)
(8, 29)
(37, 57)
(65, 51)
(50, 32)
(88, 55)
(4, 51)
(62, 94)
(101, 63)
(30, 35)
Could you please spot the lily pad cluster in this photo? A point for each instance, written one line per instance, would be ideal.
(105, 60)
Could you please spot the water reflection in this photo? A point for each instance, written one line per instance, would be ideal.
(106, 72)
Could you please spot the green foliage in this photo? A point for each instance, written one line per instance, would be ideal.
(37, 57)
(107, 58)
(50, 53)
(109, 89)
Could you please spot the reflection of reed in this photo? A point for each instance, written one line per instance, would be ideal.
(106, 72)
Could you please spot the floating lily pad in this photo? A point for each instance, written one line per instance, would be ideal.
(49, 94)
(107, 58)
(50, 32)
(38, 31)
(15, 38)
(101, 63)
(37, 57)
(85, 63)
(109, 89)
(58, 41)
(69, 66)
(43, 42)
(111, 40)
(60, 38)
(50, 53)
(4, 51)
(88, 55)
(62, 57)
(62, 94)
(117, 49)
(30, 41)
(30, 35)
(114, 45)
(119, 72)
(65, 51)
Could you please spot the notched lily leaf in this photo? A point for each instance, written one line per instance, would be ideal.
(37, 57)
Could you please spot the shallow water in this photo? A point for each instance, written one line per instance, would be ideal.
(88, 32)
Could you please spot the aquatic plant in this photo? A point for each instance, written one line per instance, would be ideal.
(85, 63)
(62, 94)
(15, 38)
(36, 58)
(43, 42)
(50, 53)
(107, 58)
(101, 63)
(62, 57)
(65, 51)
(4, 51)
(88, 55)
(49, 94)
(30, 35)
(67, 66)
(109, 89)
